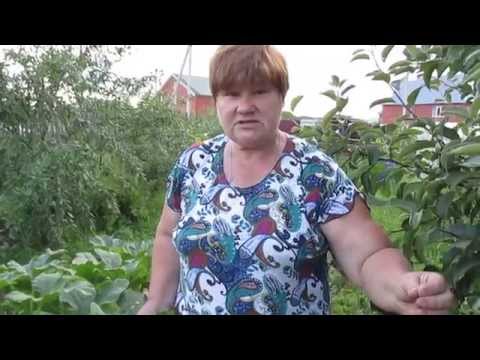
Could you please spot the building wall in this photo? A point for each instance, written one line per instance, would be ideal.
(203, 104)
(392, 112)
(199, 104)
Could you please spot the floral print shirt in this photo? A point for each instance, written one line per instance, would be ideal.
(260, 249)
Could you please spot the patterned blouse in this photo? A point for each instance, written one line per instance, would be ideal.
(260, 249)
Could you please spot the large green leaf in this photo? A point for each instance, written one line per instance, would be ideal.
(386, 51)
(412, 98)
(473, 162)
(473, 74)
(470, 149)
(48, 283)
(444, 204)
(130, 302)
(417, 145)
(110, 259)
(95, 309)
(382, 76)
(18, 296)
(415, 218)
(465, 231)
(381, 101)
(83, 258)
(360, 57)
(331, 94)
(456, 177)
(428, 69)
(475, 107)
(109, 292)
(459, 111)
(79, 295)
(294, 102)
(401, 63)
(347, 89)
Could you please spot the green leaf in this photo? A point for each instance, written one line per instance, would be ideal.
(427, 69)
(464, 266)
(473, 162)
(287, 115)
(96, 310)
(109, 292)
(110, 259)
(415, 218)
(381, 101)
(471, 56)
(48, 283)
(341, 103)
(402, 69)
(466, 149)
(83, 258)
(382, 76)
(130, 302)
(348, 88)
(79, 295)
(444, 204)
(473, 74)
(455, 178)
(413, 50)
(413, 96)
(294, 102)
(18, 296)
(331, 94)
(459, 111)
(475, 107)
(360, 57)
(401, 63)
(465, 231)
(358, 51)
(335, 81)
(386, 50)
(417, 145)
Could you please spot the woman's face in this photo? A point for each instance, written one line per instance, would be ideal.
(250, 115)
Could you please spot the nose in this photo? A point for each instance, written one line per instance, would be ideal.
(246, 105)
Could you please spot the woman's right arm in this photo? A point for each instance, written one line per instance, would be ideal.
(165, 266)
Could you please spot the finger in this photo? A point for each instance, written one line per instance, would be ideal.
(431, 284)
(413, 309)
(409, 287)
(443, 301)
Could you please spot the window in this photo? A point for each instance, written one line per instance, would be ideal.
(437, 111)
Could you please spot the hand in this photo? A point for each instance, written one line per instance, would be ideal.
(149, 308)
(424, 293)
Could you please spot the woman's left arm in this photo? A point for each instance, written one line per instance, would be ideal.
(368, 258)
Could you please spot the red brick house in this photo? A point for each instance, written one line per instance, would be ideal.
(198, 88)
(429, 103)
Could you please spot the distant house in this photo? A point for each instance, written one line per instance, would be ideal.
(196, 87)
(429, 103)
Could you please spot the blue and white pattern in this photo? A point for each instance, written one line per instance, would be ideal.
(255, 250)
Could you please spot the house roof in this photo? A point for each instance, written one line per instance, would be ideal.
(199, 85)
(425, 96)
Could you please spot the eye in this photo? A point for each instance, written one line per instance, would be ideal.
(260, 91)
(231, 93)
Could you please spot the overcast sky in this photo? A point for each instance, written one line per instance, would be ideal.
(310, 70)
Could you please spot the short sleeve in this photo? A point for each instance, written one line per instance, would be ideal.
(339, 193)
(174, 186)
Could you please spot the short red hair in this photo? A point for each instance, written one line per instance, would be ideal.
(248, 65)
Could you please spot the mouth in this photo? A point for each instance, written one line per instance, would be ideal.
(246, 122)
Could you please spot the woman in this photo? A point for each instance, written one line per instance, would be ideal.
(250, 215)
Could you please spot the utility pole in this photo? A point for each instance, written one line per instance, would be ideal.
(187, 53)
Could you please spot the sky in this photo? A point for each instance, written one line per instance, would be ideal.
(310, 69)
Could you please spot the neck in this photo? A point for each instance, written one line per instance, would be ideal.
(265, 149)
